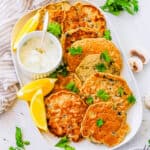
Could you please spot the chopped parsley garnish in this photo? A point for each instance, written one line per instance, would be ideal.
(19, 140)
(54, 28)
(149, 142)
(100, 122)
(61, 70)
(115, 7)
(75, 50)
(120, 91)
(20, 143)
(26, 143)
(131, 99)
(64, 143)
(89, 100)
(68, 147)
(103, 95)
(72, 87)
(101, 67)
(107, 35)
(105, 56)
(12, 148)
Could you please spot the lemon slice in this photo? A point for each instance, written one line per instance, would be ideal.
(27, 92)
(37, 110)
(30, 25)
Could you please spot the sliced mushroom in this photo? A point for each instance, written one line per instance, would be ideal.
(143, 55)
(135, 64)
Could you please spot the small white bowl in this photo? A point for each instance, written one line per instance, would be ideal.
(28, 72)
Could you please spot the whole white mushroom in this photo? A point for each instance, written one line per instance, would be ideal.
(135, 64)
(142, 54)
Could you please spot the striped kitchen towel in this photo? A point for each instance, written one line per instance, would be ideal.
(10, 11)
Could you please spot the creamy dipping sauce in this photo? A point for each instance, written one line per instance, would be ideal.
(36, 61)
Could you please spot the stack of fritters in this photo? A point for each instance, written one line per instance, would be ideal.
(95, 46)
(71, 36)
(97, 100)
(114, 88)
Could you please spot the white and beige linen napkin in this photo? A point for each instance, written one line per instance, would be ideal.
(10, 12)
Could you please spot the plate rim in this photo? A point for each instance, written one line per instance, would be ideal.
(108, 23)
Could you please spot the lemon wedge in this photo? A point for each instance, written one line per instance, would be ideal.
(37, 110)
(30, 25)
(27, 92)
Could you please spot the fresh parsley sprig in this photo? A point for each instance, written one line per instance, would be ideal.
(107, 35)
(131, 99)
(100, 123)
(61, 70)
(105, 56)
(149, 142)
(115, 7)
(89, 100)
(102, 94)
(20, 143)
(75, 50)
(64, 143)
(101, 67)
(120, 91)
(72, 87)
(54, 28)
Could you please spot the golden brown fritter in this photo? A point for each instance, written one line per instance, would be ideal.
(103, 124)
(88, 65)
(65, 111)
(91, 17)
(84, 15)
(94, 46)
(107, 87)
(56, 12)
(74, 16)
(73, 35)
(71, 20)
(63, 81)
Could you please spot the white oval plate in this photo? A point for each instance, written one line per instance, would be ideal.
(134, 116)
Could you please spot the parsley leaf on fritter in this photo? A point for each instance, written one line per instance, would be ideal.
(107, 35)
(131, 99)
(54, 28)
(105, 56)
(89, 100)
(72, 87)
(75, 51)
(101, 67)
(99, 122)
(120, 91)
(103, 95)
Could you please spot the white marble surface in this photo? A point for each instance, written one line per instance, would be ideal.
(133, 31)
